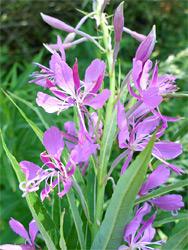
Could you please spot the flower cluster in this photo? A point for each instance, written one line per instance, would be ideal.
(137, 122)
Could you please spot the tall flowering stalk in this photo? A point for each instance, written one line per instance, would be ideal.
(78, 154)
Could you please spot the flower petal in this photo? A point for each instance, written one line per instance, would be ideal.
(151, 97)
(33, 230)
(67, 185)
(158, 177)
(50, 104)
(64, 78)
(18, 228)
(99, 100)
(168, 202)
(70, 128)
(134, 225)
(167, 149)
(53, 142)
(30, 169)
(93, 72)
(47, 190)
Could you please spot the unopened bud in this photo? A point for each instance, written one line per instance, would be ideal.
(56, 23)
(146, 47)
(118, 22)
(138, 36)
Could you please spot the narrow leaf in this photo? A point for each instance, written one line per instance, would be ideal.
(38, 210)
(119, 211)
(37, 131)
(107, 143)
(161, 191)
(31, 106)
(77, 219)
(167, 217)
(178, 239)
(62, 242)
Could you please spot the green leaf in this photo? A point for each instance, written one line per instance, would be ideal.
(56, 207)
(76, 217)
(106, 147)
(37, 131)
(179, 237)
(119, 211)
(161, 191)
(62, 242)
(38, 210)
(31, 106)
(167, 217)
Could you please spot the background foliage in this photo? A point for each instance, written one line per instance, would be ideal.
(22, 35)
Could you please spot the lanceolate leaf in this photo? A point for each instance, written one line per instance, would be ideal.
(161, 191)
(62, 242)
(76, 217)
(106, 148)
(38, 210)
(37, 131)
(167, 217)
(179, 237)
(119, 211)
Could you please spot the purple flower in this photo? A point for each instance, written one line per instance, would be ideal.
(18, 228)
(68, 93)
(79, 147)
(150, 91)
(54, 144)
(69, 83)
(139, 233)
(134, 136)
(40, 78)
(159, 176)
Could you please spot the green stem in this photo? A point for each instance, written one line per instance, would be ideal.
(101, 174)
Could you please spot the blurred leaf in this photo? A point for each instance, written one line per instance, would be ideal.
(119, 211)
(179, 237)
(167, 217)
(37, 131)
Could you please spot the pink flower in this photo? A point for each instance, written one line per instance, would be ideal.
(149, 91)
(134, 136)
(139, 233)
(18, 228)
(54, 144)
(159, 176)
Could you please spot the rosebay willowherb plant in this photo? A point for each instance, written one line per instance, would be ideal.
(76, 162)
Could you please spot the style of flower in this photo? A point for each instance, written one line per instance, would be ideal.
(54, 144)
(150, 91)
(159, 176)
(136, 135)
(139, 233)
(18, 228)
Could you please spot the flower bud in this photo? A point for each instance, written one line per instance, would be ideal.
(146, 47)
(138, 36)
(56, 23)
(118, 22)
